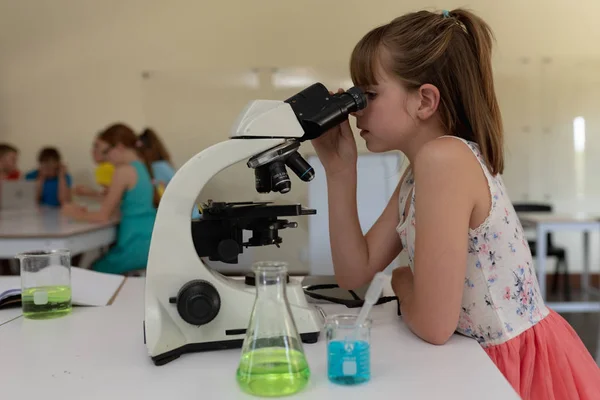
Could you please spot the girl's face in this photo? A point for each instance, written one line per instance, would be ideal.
(112, 154)
(394, 115)
(97, 152)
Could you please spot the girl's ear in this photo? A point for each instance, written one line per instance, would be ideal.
(429, 100)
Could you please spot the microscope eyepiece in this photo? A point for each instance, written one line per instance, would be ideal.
(359, 99)
(318, 111)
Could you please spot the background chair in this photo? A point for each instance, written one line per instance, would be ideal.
(552, 251)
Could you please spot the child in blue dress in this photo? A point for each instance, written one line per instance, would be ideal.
(130, 195)
(159, 162)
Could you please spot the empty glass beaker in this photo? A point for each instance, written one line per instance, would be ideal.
(45, 283)
(348, 349)
(272, 362)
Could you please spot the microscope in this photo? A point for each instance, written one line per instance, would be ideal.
(190, 307)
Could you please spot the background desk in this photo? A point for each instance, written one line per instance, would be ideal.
(99, 353)
(46, 228)
(552, 222)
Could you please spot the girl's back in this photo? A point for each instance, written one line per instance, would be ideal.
(501, 297)
(137, 219)
(502, 308)
(138, 200)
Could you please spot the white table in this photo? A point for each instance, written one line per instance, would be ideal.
(99, 353)
(46, 229)
(548, 222)
(9, 314)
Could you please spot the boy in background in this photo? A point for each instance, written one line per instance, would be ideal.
(8, 162)
(53, 180)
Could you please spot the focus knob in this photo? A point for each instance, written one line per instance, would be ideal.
(198, 302)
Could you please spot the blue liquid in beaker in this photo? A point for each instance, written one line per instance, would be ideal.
(349, 363)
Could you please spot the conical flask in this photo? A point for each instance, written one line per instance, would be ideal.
(272, 362)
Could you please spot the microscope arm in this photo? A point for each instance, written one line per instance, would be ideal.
(174, 214)
(172, 259)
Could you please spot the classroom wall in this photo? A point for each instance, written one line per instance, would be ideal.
(187, 68)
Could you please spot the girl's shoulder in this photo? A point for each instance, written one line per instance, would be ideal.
(162, 170)
(162, 164)
(454, 166)
(449, 152)
(125, 173)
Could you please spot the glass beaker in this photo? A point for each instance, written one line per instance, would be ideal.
(273, 362)
(45, 283)
(348, 349)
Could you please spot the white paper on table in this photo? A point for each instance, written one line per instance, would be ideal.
(91, 288)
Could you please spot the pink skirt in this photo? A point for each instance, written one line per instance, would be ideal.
(548, 362)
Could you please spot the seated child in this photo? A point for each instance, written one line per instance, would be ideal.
(129, 196)
(54, 182)
(158, 161)
(8, 162)
(157, 158)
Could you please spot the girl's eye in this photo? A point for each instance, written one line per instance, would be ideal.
(371, 95)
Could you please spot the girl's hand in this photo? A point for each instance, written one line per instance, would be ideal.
(81, 190)
(402, 282)
(72, 210)
(62, 170)
(336, 148)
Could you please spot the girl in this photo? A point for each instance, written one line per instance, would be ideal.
(428, 79)
(131, 191)
(158, 160)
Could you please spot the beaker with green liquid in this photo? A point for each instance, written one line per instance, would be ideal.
(273, 363)
(45, 283)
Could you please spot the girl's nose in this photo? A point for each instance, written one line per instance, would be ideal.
(358, 113)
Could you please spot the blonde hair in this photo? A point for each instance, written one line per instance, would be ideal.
(450, 50)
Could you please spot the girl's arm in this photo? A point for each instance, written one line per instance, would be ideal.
(357, 257)
(123, 178)
(39, 186)
(85, 191)
(448, 183)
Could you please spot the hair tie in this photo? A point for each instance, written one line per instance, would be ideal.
(446, 14)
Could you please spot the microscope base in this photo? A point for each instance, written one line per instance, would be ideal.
(165, 358)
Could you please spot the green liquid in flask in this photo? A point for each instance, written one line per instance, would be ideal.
(46, 302)
(273, 372)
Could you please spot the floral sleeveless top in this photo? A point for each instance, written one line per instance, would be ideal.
(501, 297)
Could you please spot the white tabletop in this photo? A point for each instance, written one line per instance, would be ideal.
(99, 353)
(8, 314)
(44, 222)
